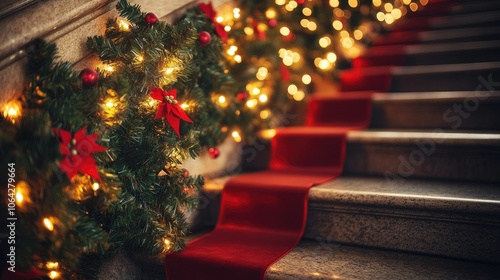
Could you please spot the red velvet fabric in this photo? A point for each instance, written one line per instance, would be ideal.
(352, 110)
(366, 79)
(263, 214)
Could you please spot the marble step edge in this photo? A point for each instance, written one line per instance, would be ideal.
(313, 260)
(427, 69)
(437, 136)
(456, 207)
(434, 97)
(420, 49)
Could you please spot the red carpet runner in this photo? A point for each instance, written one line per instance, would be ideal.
(263, 214)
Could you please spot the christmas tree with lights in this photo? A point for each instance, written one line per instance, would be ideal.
(97, 154)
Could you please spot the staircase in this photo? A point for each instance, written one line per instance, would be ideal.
(419, 197)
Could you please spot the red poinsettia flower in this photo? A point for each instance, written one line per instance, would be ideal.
(169, 108)
(78, 150)
(209, 11)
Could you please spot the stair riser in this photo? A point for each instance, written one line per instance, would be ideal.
(451, 57)
(423, 159)
(398, 230)
(483, 115)
(447, 81)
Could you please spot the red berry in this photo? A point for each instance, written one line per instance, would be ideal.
(89, 77)
(213, 152)
(151, 18)
(204, 38)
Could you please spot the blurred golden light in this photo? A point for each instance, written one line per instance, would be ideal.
(123, 25)
(406, 2)
(237, 58)
(248, 30)
(307, 11)
(380, 16)
(271, 13)
(389, 19)
(52, 265)
(280, 2)
(424, 2)
(358, 35)
(292, 89)
(396, 13)
(53, 274)
(285, 31)
(95, 186)
(227, 28)
(337, 24)
(377, 3)
(12, 111)
(324, 42)
(288, 60)
(262, 98)
(299, 96)
(353, 3)
(219, 19)
(388, 7)
(48, 224)
(334, 3)
(222, 99)
(251, 103)
(312, 26)
(331, 57)
(304, 22)
(413, 7)
(236, 136)
(264, 114)
(306, 79)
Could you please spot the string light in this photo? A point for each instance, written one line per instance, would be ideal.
(406, 2)
(222, 99)
(324, 42)
(169, 70)
(353, 3)
(424, 2)
(306, 79)
(380, 16)
(237, 58)
(307, 11)
(388, 7)
(413, 7)
(139, 58)
(337, 24)
(331, 57)
(48, 224)
(53, 274)
(271, 13)
(248, 31)
(251, 103)
(377, 3)
(285, 31)
(292, 89)
(168, 243)
(358, 34)
(184, 106)
(219, 19)
(12, 111)
(280, 2)
(334, 3)
(236, 13)
(123, 25)
(299, 96)
(389, 19)
(52, 265)
(262, 73)
(227, 28)
(236, 136)
(263, 98)
(95, 186)
(264, 114)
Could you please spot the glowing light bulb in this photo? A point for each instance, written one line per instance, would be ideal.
(299, 96)
(12, 111)
(413, 7)
(139, 58)
(388, 7)
(53, 274)
(358, 35)
(353, 3)
(236, 136)
(285, 31)
(306, 79)
(324, 42)
(123, 25)
(292, 89)
(307, 11)
(222, 99)
(377, 3)
(52, 265)
(184, 106)
(95, 186)
(262, 98)
(48, 224)
(312, 26)
(264, 114)
(271, 13)
(380, 16)
(219, 19)
(237, 58)
(334, 3)
(337, 24)
(288, 60)
(280, 2)
(251, 103)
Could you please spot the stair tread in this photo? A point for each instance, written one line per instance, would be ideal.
(437, 96)
(329, 260)
(417, 191)
(431, 48)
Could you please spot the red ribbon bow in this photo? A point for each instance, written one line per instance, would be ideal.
(78, 150)
(208, 10)
(169, 108)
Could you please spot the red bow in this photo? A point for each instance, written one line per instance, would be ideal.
(78, 151)
(208, 10)
(169, 108)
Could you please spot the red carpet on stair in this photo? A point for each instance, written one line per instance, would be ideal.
(263, 214)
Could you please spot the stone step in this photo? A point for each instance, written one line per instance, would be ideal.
(430, 54)
(450, 219)
(480, 19)
(437, 154)
(448, 8)
(314, 260)
(466, 34)
(400, 155)
(444, 77)
(430, 110)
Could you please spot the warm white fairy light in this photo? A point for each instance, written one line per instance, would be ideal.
(271, 13)
(123, 25)
(53, 274)
(285, 31)
(12, 111)
(324, 41)
(307, 11)
(95, 186)
(264, 114)
(334, 3)
(358, 34)
(337, 25)
(219, 19)
(236, 136)
(280, 2)
(413, 7)
(263, 98)
(331, 57)
(377, 3)
(299, 96)
(48, 224)
(237, 58)
(251, 103)
(306, 79)
(353, 3)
